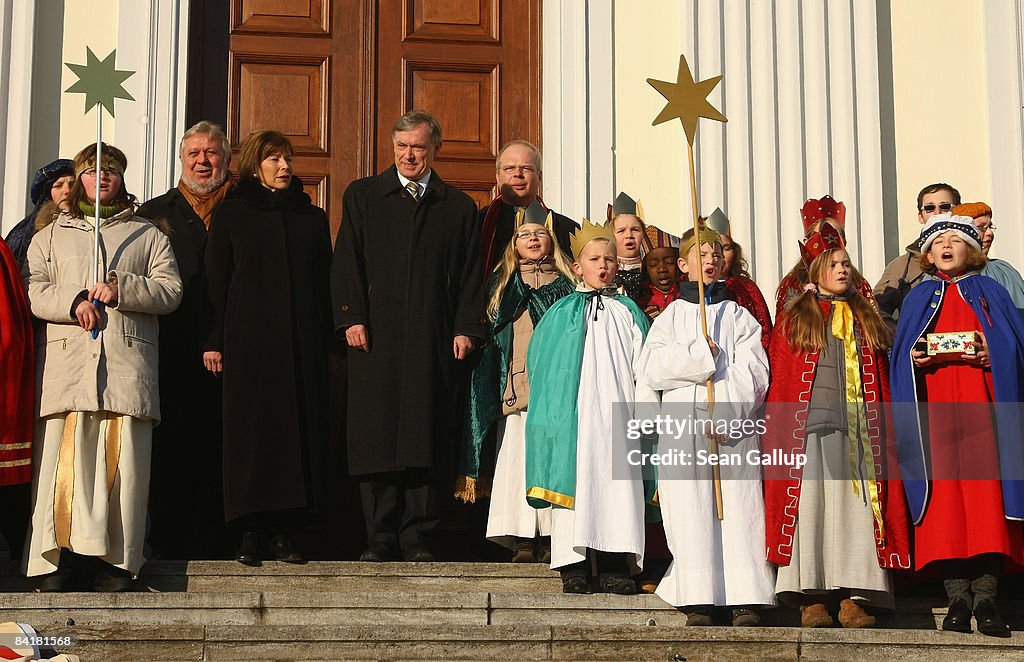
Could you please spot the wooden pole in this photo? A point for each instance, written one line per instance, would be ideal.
(716, 471)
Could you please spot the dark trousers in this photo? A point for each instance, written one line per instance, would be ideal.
(400, 508)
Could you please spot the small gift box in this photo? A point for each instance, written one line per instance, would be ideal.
(952, 342)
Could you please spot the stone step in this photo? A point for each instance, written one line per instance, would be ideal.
(330, 576)
(527, 642)
(397, 608)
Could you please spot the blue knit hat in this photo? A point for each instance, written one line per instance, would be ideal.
(940, 223)
(39, 192)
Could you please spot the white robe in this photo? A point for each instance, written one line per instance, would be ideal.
(609, 512)
(714, 562)
(510, 515)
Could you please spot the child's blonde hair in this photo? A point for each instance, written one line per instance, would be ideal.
(508, 265)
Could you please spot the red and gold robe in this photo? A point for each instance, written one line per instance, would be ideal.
(17, 392)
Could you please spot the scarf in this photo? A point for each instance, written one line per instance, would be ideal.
(204, 203)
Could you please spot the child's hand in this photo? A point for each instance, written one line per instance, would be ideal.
(88, 315)
(981, 355)
(106, 293)
(921, 358)
(358, 337)
(714, 348)
(462, 347)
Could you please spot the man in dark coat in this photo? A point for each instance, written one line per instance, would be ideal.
(185, 487)
(407, 289)
(518, 176)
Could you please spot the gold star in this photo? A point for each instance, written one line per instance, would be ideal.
(687, 100)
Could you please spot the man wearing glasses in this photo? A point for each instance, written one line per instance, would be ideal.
(905, 272)
(518, 176)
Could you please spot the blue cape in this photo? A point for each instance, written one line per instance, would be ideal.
(1004, 330)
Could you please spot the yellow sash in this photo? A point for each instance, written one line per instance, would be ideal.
(856, 416)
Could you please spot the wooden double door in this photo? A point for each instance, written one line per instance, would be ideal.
(334, 75)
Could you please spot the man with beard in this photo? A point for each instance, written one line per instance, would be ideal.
(518, 178)
(185, 488)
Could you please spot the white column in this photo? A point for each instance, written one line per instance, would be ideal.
(16, 112)
(152, 41)
(1004, 27)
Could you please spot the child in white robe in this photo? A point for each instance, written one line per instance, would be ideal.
(715, 562)
(581, 365)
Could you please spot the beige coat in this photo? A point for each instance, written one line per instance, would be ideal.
(117, 372)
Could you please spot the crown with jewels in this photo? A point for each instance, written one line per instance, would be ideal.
(824, 207)
(588, 232)
(826, 239)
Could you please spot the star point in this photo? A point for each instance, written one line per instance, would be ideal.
(687, 100)
(100, 81)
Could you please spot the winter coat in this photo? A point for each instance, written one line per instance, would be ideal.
(117, 372)
(410, 271)
(268, 259)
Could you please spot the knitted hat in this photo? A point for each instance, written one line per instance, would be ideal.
(972, 209)
(45, 177)
(824, 207)
(940, 223)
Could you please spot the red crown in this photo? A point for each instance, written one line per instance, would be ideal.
(826, 239)
(815, 210)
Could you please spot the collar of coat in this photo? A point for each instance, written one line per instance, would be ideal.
(256, 194)
(389, 183)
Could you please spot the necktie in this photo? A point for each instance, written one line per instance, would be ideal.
(414, 190)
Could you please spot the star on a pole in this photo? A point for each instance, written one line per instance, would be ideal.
(100, 81)
(687, 100)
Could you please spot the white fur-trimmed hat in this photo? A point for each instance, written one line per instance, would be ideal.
(940, 223)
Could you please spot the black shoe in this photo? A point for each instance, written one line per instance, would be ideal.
(417, 554)
(618, 584)
(989, 620)
(378, 553)
(111, 579)
(284, 552)
(958, 618)
(575, 584)
(543, 546)
(66, 577)
(249, 552)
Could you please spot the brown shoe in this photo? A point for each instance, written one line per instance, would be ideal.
(815, 616)
(698, 616)
(852, 615)
(524, 551)
(744, 617)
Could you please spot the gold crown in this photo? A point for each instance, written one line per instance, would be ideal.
(587, 233)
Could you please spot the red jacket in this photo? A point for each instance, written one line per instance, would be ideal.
(786, 420)
(17, 391)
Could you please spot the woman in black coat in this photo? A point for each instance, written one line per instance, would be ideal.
(267, 265)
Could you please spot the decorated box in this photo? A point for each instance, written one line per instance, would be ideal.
(952, 342)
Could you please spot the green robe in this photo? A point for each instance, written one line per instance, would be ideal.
(553, 366)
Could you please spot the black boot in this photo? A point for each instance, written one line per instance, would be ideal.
(111, 579)
(576, 577)
(64, 578)
(250, 551)
(284, 552)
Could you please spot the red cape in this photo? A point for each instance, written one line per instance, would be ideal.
(746, 293)
(792, 378)
(17, 392)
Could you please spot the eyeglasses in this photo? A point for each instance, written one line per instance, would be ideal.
(538, 234)
(985, 228)
(944, 207)
(524, 170)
